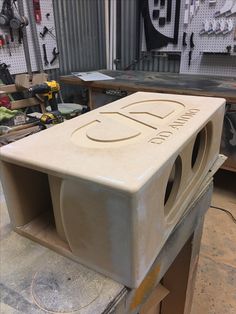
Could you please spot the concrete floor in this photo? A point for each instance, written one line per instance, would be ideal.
(215, 291)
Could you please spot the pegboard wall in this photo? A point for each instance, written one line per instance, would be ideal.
(168, 29)
(213, 37)
(13, 55)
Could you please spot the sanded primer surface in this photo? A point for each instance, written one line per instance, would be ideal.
(108, 172)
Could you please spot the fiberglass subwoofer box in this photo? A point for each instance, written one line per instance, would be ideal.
(109, 186)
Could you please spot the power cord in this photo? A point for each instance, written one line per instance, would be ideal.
(227, 212)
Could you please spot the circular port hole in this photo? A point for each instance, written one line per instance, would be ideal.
(198, 149)
(172, 185)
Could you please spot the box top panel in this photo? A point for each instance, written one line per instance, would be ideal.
(121, 144)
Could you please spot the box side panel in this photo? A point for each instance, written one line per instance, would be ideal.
(98, 227)
(164, 199)
(149, 225)
(27, 193)
(196, 158)
(55, 189)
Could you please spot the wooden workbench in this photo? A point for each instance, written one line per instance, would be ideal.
(133, 81)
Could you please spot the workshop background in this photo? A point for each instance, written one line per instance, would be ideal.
(89, 35)
(84, 48)
(84, 43)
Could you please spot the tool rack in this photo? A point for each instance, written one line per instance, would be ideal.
(16, 60)
(212, 52)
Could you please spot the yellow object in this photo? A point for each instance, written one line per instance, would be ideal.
(51, 117)
(54, 88)
(46, 117)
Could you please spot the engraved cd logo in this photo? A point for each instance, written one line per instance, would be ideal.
(120, 124)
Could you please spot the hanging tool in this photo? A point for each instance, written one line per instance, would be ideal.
(37, 11)
(11, 19)
(225, 8)
(228, 26)
(192, 9)
(197, 5)
(47, 31)
(191, 41)
(162, 21)
(8, 44)
(215, 27)
(186, 12)
(55, 55)
(11, 34)
(169, 8)
(48, 90)
(232, 10)
(154, 38)
(20, 36)
(163, 2)
(218, 28)
(25, 40)
(192, 45)
(6, 13)
(5, 75)
(18, 21)
(210, 30)
(190, 57)
(45, 58)
(155, 14)
(34, 18)
(177, 21)
(222, 25)
(229, 48)
(184, 43)
(206, 27)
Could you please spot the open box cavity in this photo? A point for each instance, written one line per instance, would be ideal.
(32, 212)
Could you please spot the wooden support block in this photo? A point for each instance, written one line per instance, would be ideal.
(152, 305)
(8, 88)
(23, 103)
(25, 81)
